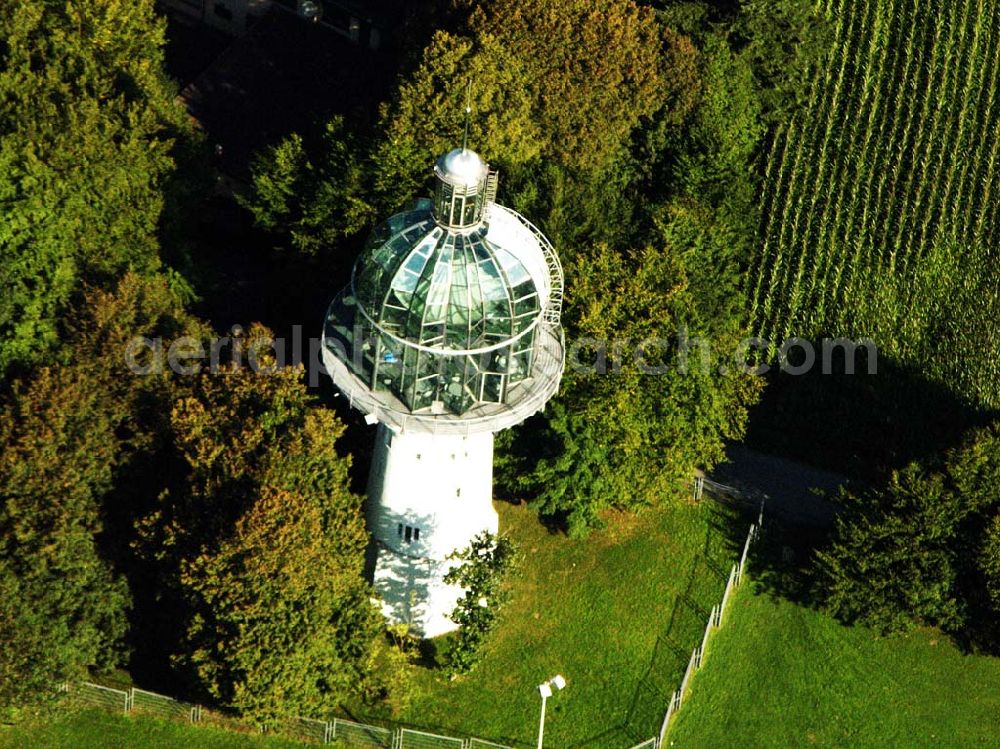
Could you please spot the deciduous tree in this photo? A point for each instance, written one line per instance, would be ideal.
(63, 609)
(88, 116)
(260, 544)
(644, 402)
(483, 568)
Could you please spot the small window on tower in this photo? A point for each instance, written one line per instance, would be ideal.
(400, 530)
(409, 534)
(416, 534)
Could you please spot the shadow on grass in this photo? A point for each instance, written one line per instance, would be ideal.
(782, 563)
(724, 534)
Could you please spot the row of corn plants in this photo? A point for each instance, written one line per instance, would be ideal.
(893, 159)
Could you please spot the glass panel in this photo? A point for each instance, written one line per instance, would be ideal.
(405, 281)
(432, 334)
(520, 366)
(516, 273)
(443, 204)
(526, 305)
(493, 388)
(452, 391)
(469, 213)
(445, 291)
(425, 388)
(416, 263)
(442, 269)
(394, 317)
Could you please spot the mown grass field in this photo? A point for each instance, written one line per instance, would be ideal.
(99, 729)
(782, 675)
(617, 614)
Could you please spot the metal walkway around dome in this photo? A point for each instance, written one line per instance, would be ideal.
(552, 312)
(524, 399)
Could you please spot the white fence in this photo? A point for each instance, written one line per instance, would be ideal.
(715, 619)
(94, 695)
(410, 739)
(351, 733)
(307, 729)
(647, 744)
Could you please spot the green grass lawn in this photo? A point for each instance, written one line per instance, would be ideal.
(781, 675)
(617, 614)
(99, 729)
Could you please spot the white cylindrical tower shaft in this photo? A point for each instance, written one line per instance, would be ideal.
(429, 495)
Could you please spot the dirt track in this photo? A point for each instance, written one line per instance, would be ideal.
(788, 486)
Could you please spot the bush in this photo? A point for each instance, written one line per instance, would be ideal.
(486, 562)
(925, 549)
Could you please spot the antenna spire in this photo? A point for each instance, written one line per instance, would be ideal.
(468, 111)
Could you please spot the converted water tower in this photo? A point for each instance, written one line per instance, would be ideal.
(448, 332)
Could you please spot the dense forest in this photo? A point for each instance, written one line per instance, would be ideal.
(707, 171)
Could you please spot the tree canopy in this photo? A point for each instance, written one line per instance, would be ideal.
(923, 548)
(68, 435)
(632, 148)
(276, 619)
(64, 609)
(88, 118)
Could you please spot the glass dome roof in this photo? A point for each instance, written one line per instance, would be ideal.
(452, 314)
(444, 291)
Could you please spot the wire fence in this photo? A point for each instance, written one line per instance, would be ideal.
(94, 695)
(142, 701)
(480, 744)
(715, 617)
(647, 744)
(351, 734)
(410, 739)
(308, 730)
(339, 731)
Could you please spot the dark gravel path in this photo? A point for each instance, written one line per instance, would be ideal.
(788, 486)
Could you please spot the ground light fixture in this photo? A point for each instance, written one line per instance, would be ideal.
(545, 690)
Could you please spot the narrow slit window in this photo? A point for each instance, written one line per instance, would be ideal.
(409, 534)
(416, 534)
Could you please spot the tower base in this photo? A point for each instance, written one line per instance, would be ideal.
(429, 495)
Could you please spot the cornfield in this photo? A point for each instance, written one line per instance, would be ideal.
(880, 197)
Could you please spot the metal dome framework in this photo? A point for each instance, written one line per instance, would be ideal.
(383, 371)
(451, 319)
(464, 186)
(447, 319)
